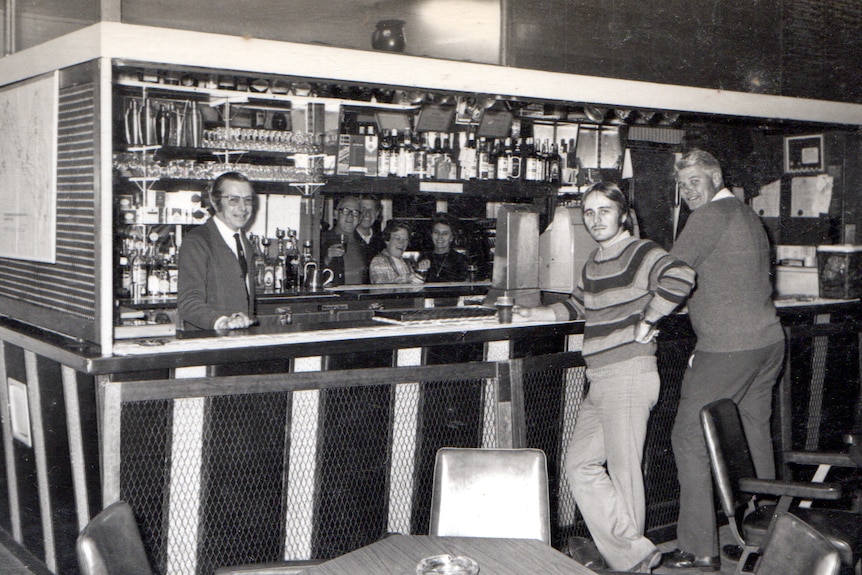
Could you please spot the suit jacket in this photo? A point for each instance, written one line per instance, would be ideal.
(210, 279)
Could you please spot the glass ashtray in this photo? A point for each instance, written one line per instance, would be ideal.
(447, 565)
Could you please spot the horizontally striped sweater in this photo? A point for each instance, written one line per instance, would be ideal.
(620, 284)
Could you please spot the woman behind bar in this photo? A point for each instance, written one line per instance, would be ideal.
(389, 266)
(443, 263)
(627, 285)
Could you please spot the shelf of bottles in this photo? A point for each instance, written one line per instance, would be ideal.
(147, 263)
(279, 263)
(400, 153)
(408, 141)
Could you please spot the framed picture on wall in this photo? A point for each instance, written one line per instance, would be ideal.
(803, 154)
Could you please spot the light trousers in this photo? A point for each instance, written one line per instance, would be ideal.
(610, 431)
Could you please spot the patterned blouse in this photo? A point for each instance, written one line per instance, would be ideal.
(385, 269)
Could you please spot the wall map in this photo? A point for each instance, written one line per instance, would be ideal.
(28, 170)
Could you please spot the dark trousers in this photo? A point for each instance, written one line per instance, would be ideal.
(747, 378)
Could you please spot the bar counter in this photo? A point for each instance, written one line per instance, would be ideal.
(309, 440)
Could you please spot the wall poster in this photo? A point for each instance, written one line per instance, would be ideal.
(28, 169)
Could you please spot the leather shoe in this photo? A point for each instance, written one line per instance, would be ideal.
(678, 559)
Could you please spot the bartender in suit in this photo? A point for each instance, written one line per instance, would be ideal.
(215, 289)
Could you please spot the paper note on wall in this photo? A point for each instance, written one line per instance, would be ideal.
(810, 196)
(766, 204)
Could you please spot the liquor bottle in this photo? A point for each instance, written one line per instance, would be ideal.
(493, 152)
(139, 274)
(384, 156)
(125, 277)
(406, 161)
(516, 171)
(291, 260)
(544, 161)
(371, 143)
(504, 160)
(306, 256)
(571, 156)
(532, 162)
(279, 273)
(450, 153)
(484, 159)
(554, 165)
(268, 267)
(173, 273)
(280, 235)
(394, 152)
(154, 271)
(434, 156)
(280, 258)
(162, 274)
(257, 264)
(469, 158)
(420, 157)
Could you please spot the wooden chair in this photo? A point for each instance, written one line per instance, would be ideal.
(737, 487)
(491, 493)
(111, 544)
(792, 547)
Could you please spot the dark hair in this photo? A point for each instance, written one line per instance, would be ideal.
(394, 225)
(612, 192)
(445, 219)
(217, 187)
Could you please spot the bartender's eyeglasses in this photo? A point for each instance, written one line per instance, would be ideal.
(349, 212)
(237, 200)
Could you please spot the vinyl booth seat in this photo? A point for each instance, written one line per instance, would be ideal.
(491, 493)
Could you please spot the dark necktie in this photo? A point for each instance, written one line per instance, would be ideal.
(243, 264)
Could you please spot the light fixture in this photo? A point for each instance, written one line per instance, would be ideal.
(622, 114)
(670, 118)
(646, 116)
(595, 114)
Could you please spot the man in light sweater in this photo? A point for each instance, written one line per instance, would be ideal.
(740, 346)
(627, 285)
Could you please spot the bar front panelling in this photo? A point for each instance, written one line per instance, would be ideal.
(66, 287)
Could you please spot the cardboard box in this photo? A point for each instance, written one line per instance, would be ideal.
(796, 281)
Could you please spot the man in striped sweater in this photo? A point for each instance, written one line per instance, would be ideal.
(627, 285)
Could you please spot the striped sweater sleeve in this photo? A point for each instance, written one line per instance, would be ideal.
(671, 281)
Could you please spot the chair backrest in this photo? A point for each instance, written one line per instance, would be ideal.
(793, 547)
(111, 544)
(491, 493)
(729, 456)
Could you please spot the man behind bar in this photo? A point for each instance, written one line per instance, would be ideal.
(214, 290)
(627, 285)
(740, 346)
(347, 260)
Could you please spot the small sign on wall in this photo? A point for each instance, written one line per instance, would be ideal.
(19, 411)
(803, 154)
